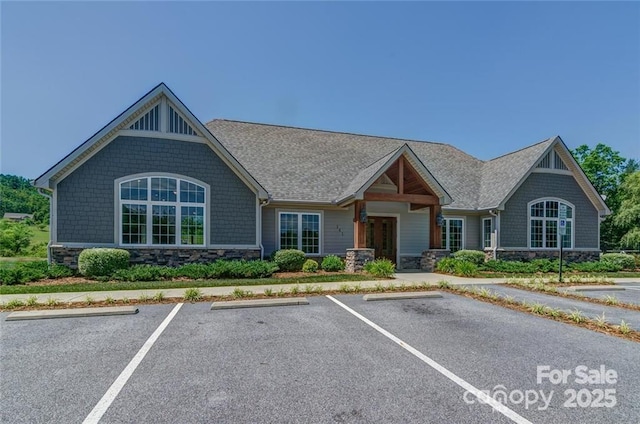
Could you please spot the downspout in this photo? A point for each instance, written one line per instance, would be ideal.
(495, 246)
(48, 196)
(262, 205)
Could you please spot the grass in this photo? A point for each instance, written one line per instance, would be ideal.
(144, 285)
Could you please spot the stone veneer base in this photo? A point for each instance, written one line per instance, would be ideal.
(356, 258)
(569, 256)
(170, 257)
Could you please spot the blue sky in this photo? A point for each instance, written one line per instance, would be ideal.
(486, 77)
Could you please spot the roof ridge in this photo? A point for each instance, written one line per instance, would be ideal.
(520, 150)
(335, 132)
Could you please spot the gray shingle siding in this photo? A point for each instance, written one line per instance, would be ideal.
(514, 219)
(85, 198)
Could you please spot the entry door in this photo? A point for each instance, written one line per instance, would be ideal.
(381, 236)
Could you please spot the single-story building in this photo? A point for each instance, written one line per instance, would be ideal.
(170, 189)
(17, 217)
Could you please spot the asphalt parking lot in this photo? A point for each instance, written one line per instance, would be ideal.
(334, 360)
(631, 293)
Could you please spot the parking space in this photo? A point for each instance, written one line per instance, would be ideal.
(631, 293)
(315, 363)
(612, 314)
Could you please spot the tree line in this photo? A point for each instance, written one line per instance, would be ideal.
(19, 196)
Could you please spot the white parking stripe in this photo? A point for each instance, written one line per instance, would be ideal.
(104, 403)
(484, 398)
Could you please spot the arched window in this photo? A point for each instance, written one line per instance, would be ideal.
(545, 223)
(162, 210)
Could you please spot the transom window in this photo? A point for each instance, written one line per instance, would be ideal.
(160, 210)
(544, 223)
(300, 230)
(452, 234)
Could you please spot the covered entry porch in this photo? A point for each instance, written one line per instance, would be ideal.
(397, 216)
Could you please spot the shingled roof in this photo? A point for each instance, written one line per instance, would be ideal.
(308, 165)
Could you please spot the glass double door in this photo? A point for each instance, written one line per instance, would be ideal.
(381, 236)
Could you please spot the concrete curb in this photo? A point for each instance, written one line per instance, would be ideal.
(401, 295)
(72, 313)
(259, 303)
(594, 288)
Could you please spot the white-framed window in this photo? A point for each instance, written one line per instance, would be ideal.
(453, 234)
(487, 230)
(300, 230)
(162, 210)
(544, 224)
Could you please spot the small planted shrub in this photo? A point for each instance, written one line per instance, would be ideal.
(332, 263)
(289, 260)
(102, 262)
(473, 256)
(447, 265)
(466, 269)
(382, 268)
(624, 260)
(192, 294)
(310, 266)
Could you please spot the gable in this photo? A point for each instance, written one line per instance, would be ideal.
(557, 159)
(157, 112)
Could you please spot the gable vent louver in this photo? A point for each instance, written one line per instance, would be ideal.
(179, 125)
(558, 163)
(150, 121)
(552, 161)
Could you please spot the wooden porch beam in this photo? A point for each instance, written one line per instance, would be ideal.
(401, 175)
(421, 199)
(359, 228)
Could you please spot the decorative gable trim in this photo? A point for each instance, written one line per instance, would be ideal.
(143, 114)
(414, 161)
(557, 149)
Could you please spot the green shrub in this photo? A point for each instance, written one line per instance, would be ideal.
(144, 273)
(514, 267)
(310, 266)
(473, 256)
(101, 262)
(383, 268)
(466, 269)
(598, 266)
(289, 260)
(626, 261)
(38, 250)
(59, 271)
(545, 265)
(447, 265)
(332, 263)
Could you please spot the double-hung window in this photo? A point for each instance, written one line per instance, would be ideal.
(162, 210)
(544, 221)
(300, 230)
(453, 234)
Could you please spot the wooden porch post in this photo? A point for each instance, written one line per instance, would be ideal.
(435, 232)
(359, 228)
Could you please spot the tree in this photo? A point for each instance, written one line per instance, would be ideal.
(14, 238)
(607, 170)
(628, 216)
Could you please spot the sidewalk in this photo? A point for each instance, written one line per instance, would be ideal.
(408, 278)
